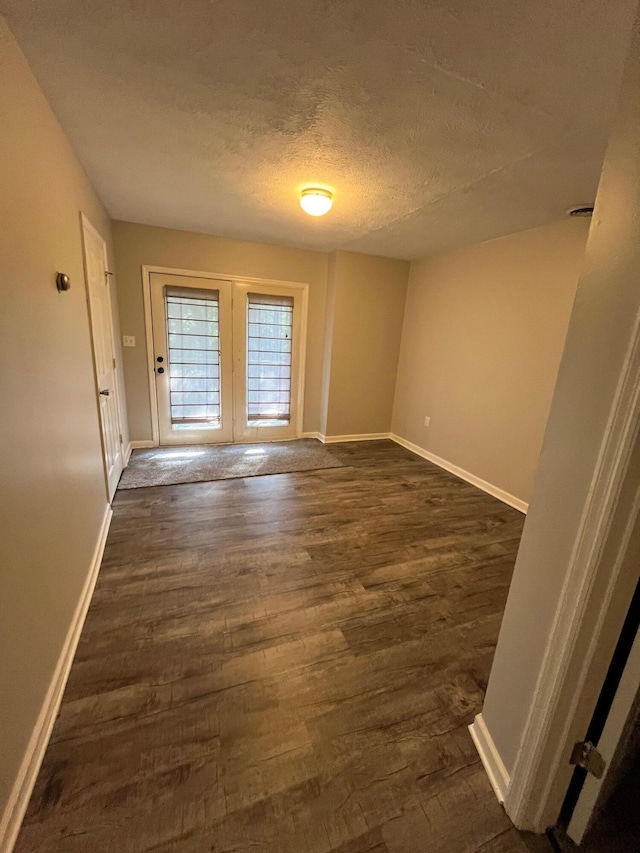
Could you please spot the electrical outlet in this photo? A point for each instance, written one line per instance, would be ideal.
(128, 341)
(427, 421)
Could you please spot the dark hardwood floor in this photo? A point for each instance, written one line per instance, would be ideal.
(286, 664)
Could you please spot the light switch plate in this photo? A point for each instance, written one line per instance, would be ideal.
(128, 340)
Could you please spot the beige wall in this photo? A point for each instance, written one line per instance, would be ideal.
(136, 245)
(53, 496)
(366, 298)
(601, 330)
(483, 335)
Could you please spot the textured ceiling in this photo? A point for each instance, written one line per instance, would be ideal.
(436, 123)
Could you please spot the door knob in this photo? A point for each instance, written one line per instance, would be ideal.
(160, 370)
(105, 392)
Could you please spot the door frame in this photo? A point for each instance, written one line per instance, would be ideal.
(597, 590)
(147, 269)
(86, 226)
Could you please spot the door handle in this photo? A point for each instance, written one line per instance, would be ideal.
(105, 392)
(160, 370)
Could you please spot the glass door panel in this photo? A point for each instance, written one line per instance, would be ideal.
(193, 359)
(269, 358)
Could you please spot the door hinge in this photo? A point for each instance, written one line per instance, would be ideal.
(584, 754)
(120, 438)
(114, 362)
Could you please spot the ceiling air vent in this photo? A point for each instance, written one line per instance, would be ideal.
(583, 210)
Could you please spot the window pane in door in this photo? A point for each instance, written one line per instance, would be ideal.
(269, 336)
(193, 357)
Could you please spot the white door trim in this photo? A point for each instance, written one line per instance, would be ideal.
(147, 269)
(574, 662)
(86, 227)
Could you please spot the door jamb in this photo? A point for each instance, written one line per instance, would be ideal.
(147, 269)
(564, 698)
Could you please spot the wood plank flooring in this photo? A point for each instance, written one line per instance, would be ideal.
(286, 664)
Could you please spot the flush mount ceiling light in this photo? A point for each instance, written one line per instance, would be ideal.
(316, 201)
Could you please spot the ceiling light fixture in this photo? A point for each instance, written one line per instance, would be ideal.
(316, 201)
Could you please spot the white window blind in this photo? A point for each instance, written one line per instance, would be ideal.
(193, 357)
(269, 336)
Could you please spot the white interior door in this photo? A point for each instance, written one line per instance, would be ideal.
(191, 320)
(104, 360)
(268, 329)
(588, 805)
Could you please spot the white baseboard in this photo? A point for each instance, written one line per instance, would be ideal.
(23, 786)
(490, 757)
(127, 455)
(334, 439)
(140, 445)
(489, 488)
(369, 436)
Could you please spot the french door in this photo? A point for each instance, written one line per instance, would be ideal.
(227, 359)
(267, 330)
